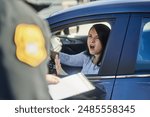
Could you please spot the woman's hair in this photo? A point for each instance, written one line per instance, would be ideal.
(103, 33)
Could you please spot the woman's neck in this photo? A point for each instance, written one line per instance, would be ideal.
(96, 58)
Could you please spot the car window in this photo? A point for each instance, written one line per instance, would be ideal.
(80, 30)
(143, 56)
(74, 41)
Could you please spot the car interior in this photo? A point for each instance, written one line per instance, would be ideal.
(73, 41)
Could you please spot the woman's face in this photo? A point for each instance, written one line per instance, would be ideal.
(94, 43)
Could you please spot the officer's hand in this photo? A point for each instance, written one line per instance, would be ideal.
(52, 79)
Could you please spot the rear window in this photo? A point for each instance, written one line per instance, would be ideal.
(143, 57)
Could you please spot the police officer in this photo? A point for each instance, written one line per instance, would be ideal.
(23, 52)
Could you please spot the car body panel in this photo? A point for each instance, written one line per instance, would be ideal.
(127, 65)
(136, 85)
(99, 7)
(117, 73)
(134, 88)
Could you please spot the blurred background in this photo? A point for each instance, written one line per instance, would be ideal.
(47, 7)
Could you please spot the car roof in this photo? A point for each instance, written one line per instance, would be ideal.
(101, 7)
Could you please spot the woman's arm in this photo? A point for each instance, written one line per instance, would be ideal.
(76, 60)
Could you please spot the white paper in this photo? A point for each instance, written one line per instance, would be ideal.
(70, 86)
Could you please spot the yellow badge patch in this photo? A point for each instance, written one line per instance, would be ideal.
(30, 44)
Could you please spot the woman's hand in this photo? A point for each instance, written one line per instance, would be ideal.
(59, 69)
(57, 65)
(52, 79)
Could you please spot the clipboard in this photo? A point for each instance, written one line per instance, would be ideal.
(70, 86)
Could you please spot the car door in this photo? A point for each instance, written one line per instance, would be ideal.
(107, 74)
(109, 66)
(133, 75)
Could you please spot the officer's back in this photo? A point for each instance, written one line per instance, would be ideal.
(23, 52)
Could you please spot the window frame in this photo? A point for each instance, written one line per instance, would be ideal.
(110, 61)
(129, 50)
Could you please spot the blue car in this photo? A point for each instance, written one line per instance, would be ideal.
(125, 68)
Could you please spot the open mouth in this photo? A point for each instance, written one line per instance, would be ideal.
(92, 46)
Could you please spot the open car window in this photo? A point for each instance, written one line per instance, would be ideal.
(75, 35)
(73, 40)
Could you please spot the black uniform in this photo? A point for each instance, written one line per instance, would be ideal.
(23, 52)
